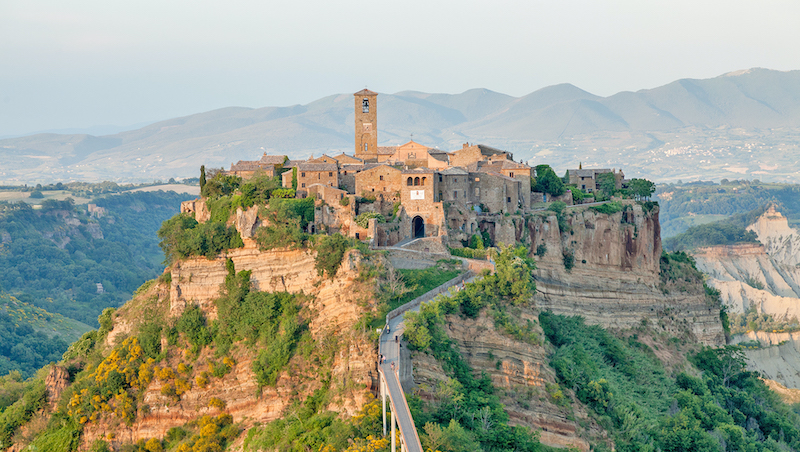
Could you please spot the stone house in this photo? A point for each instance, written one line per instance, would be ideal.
(266, 165)
(469, 154)
(315, 173)
(586, 179)
(415, 155)
(378, 178)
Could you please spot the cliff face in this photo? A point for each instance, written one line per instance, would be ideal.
(521, 373)
(337, 305)
(735, 269)
(615, 279)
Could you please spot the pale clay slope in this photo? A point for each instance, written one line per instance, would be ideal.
(775, 265)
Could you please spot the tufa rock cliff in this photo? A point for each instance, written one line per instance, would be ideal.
(615, 279)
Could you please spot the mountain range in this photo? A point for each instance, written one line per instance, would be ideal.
(741, 124)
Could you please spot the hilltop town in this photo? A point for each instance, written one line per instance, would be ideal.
(392, 194)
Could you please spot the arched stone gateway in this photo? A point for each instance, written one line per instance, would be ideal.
(418, 227)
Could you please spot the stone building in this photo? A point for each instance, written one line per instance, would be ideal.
(316, 173)
(415, 155)
(586, 179)
(378, 179)
(469, 154)
(366, 114)
(266, 165)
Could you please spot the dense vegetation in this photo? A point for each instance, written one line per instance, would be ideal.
(626, 386)
(24, 345)
(717, 233)
(683, 204)
(273, 326)
(466, 413)
(54, 257)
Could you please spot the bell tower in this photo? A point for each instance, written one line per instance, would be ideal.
(366, 110)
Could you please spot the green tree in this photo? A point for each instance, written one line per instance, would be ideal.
(641, 188)
(202, 177)
(607, 183)
(548, 182)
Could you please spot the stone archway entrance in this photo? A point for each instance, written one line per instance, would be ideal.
(418, 227)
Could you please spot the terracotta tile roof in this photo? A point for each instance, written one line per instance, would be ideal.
(387, 150)
(419, 171)
(245, 165)
(365, 92)
(317, 167)
(272, 159)
(454, 171)
(588, 172)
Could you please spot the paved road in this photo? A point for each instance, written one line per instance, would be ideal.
(392, 366)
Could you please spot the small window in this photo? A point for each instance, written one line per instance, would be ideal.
(330, 173)
(381, 177)
(423, 180)
(373, 189)
(416, 181)
(510, 174)
(303, 185)
(319, 176)
(440, 178)
(365, 105)
(409, 182)
(455, 194)
(345, 173)
(508, 199)
(366, 147)
(477, 192)
(302, 174)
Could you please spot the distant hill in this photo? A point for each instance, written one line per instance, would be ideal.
(744, 123)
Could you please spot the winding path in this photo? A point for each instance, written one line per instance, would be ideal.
(391, 366)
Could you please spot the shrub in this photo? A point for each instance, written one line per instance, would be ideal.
(330, 251)
(609, 208)
(362, 220)
(541, 250)
(345, 201)
(569, 259)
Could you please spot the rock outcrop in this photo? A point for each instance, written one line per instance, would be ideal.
(614, 280)
(519, 370)
(336, 305)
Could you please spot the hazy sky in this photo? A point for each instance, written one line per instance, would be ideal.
(82, 63)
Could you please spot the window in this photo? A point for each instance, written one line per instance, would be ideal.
(477, 192)
(455, 180)
(366, 147)
(508, 199)
(345, 173)
(409, 182)
(381, 177)
(319, 175)
(412, 155)
(302, 174)
(455, 194)
(303, 185)
(416, 181)
(423, 181)
(510, 174)
(440, 197)
(365, 105)
(330, 173)
(440, 178)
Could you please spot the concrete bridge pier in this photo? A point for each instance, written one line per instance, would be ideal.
(383, 402)
(394, 447)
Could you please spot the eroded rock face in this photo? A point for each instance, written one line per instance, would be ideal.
(615, 278)
(337, 305)
(519, 369)
(55, 383)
